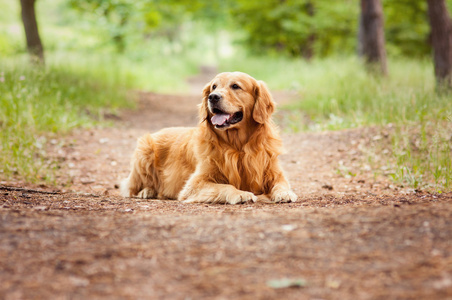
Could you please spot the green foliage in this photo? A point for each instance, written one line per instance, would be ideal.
(125, 20)
(406, 27)
(11, 32)
(295, 26)
(115, 15)
(36, 103)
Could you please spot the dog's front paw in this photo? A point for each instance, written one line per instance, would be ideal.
(284, 196)
(241, 197)
(146, 193)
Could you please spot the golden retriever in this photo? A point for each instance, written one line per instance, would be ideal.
(231, 157)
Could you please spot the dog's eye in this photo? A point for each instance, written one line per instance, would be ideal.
(214, 87)
(235, 86)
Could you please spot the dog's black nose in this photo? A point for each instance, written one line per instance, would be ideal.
(214, 98)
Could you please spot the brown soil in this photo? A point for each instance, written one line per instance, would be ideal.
(352, 235)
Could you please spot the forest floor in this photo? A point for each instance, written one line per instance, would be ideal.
(351, 235)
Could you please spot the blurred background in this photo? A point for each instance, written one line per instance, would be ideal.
(346, 63)
(177, 36)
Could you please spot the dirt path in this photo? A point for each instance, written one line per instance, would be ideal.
(349, 237)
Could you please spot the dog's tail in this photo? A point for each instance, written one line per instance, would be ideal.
(143, 173)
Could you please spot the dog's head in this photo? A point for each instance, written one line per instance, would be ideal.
(235, 99)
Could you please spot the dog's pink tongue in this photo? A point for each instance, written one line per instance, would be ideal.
(220, 119)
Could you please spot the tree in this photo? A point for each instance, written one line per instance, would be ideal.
(371, 37)
(34, 44)
(441, 37)
(308, 50)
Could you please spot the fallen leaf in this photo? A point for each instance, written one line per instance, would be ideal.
(286, 283)
(288, 227)
(327, 186)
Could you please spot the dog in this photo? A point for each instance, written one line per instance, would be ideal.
(231, 157)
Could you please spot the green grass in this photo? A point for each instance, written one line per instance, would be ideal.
(38, 103)
(337, 93)
(157, 73)
(422, 152)
(75, 89)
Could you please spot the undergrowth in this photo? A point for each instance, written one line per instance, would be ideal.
(39, 102)
(423, 152)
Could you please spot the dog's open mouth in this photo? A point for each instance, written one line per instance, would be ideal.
(223, 120)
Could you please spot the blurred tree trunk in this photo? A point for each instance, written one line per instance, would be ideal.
(308, 51)
(118, 37)
(360, 46)
(371, 38)
(441, 37)
(34, 44)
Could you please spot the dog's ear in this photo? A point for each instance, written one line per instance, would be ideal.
(264, 105)
(203, 106)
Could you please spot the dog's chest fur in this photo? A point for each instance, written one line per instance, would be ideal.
(243, 169)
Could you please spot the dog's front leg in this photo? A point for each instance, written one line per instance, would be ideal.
(199, 191)
(281, 191)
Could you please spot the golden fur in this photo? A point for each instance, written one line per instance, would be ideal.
(230, 163)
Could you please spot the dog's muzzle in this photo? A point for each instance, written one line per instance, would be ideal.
(214, 98)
